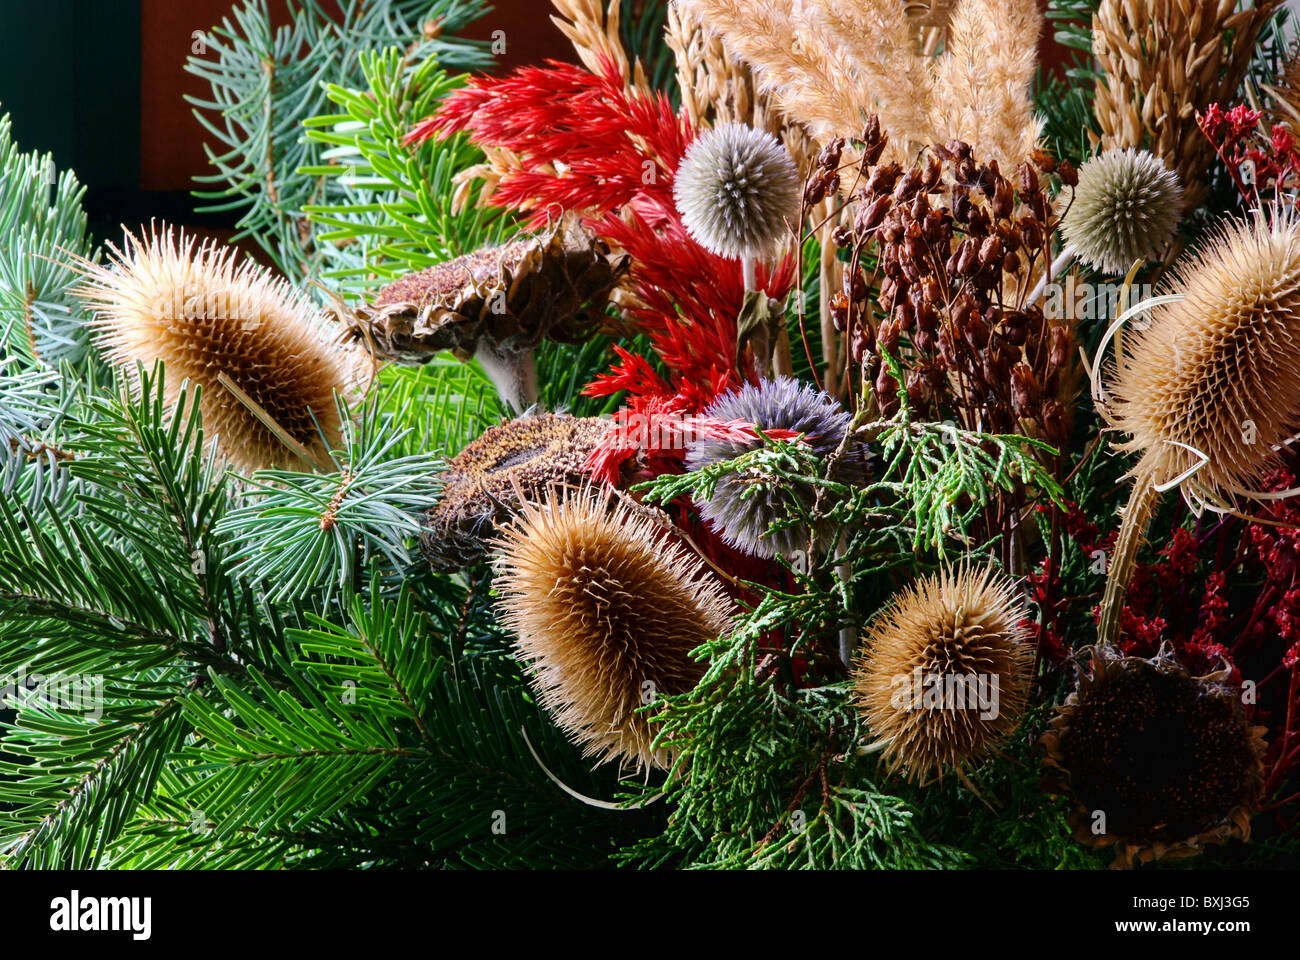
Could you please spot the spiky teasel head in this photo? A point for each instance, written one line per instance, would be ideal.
(736, 188)
(1213, 383)
(1126, 207)
(744, 507)
(485, 482)
(202, 315)
(944, 671)
(605, 610)
(1158, 763)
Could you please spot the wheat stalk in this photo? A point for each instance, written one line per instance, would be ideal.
(1162, 61)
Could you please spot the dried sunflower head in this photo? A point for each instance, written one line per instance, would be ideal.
(496, 304)
(606, 609)
(484, 482)
(202, 315)
(944, 671)
(1158, 762)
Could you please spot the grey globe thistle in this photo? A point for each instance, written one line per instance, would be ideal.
(1126, 208)
(735, 189)
(743, 508)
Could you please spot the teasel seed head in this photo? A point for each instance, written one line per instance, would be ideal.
(943, 673)
(484, 483)
(1161, 761)
(743, 508)
(202, 315)
(606, 609)
(736, 189)
(1219, 371)
(1126, 207)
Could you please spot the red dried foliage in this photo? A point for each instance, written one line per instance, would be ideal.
(586, 144)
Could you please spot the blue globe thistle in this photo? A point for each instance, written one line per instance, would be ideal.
(743, 511)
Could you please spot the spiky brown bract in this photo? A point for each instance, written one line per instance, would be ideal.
(1219, 371)
(1158, 762)
(951, 626)
(605, 610)
(485, 481)
(203, 314)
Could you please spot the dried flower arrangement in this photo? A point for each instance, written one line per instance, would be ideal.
(766, 413)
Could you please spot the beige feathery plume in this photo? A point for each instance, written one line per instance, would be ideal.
(849, 59)
(810, 81)
(717, 87)
(982, 80)
(1162, 61)
(234, 330)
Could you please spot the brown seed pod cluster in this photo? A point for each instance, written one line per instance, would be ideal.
(485, 481)
(956, 245)
(1159, 763)
(606, 610)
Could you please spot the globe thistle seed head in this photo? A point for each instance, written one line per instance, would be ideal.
(1168, 758)
(1126, 207)
(736, 189)
(944, 671)
(483, 483)
(744, 508)
(1219, 371)
(605, 610)
(202, 315)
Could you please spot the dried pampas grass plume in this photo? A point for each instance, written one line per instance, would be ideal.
(215, 323)
(830, 64)
(1212, 386)
(1126, 207)
(605, 610)
(917, 679)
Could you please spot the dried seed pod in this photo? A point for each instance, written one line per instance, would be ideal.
(200, 314)
(605, 607)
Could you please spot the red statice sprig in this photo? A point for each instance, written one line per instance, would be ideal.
(1255, 159)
